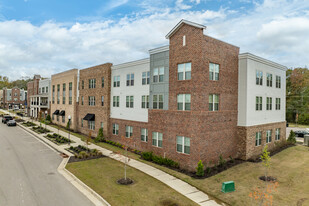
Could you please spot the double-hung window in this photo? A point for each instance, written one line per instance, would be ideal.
(82, 122)
(268, 136)
(258, 138)
(269, 102)
(83, 84)
(278, 81)
(184, 102)
(63, 119)
(258, 103)
(145, 78)
(53, 94)
(157, 101)
(145, 101)
(158, 74)
(129, 101)
(115, 101)
(92, 83)
(213, 102)
(130, 79)
(269, 81)
(115, 129)
(214, 71)
(70, 93)
(63, 94)
(91, 100)
(129, 131)
(91, 125)
(82, 100)
(183, 145)
(278, 103)
(102, 100)
(58, 93)
(259, 77)
(157, 139)
(277, 137)
(116, 81)
(184, 71)
(144, 134)
(102, 82)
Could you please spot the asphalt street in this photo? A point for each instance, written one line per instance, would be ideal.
(28, 173)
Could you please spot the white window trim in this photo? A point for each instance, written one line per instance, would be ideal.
(268, 137)
(157, 139)
(145, 134)
(260, 137)
(183, 145)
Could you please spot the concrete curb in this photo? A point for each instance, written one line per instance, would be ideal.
(94, 197)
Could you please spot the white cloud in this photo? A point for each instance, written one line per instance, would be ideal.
(275, 32)
(180, 5)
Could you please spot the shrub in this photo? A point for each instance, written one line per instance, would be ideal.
(232, 159)
(82, 154)
(200, 169)
(147, 156)
(221, 161)
(100, 136)
(292, 139)
(208, 170)
(48, 118)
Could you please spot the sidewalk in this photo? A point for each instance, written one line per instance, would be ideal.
(180, 186)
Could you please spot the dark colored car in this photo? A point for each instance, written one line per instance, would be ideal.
(6, 118)
(301, 133)
(11, 123)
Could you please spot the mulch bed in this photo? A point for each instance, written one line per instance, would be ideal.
(268, 179)
(75, 159)
(213, 170)
(123, 181)
(273, 152)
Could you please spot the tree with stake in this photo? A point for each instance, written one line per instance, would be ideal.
(126, 142)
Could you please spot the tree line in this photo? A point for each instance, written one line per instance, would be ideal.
(20, 83)
(297, 95)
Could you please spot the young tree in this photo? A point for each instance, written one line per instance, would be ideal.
(126, 143)
(265, 157)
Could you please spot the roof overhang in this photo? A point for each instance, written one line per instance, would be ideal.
(182, 22)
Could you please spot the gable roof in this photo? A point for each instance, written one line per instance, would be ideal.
(183, 21)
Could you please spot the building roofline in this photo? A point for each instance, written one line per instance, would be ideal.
(159, 49)
(96, 66)
(261, 60)
(183, 21)
(67, 71)
(130, 64)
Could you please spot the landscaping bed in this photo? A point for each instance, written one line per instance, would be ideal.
(40, 130)
(58, 139)
(82, 153)
(28, 124)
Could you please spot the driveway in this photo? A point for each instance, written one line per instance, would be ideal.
(28, 173)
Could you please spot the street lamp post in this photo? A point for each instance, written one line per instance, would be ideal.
(45, 119)
(69, 117)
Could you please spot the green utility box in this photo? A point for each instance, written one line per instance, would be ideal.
(228, 186)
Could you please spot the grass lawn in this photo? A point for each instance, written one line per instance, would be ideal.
(298, 125)
(290, 167)
(102, 175)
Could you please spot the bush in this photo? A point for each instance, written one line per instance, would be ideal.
(200, 169)
(83, 154)
(292, 139)
(221, 161)
(100, 137)
(303, 118)
(147, 156)
(48, 118)
(208, 170)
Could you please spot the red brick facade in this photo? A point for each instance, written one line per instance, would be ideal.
(247, 147)
(101, 112)
(15, 99)
(32, 89)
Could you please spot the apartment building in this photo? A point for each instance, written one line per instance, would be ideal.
(94, 99)
(14, 98)
(261, 104)
(194, 99)
(32, 89)
(64, 98)
(130, 101)
(40, 102)
(1, 98)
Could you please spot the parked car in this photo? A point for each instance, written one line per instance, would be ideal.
(301, 133)
(11, 122)
(6, 118)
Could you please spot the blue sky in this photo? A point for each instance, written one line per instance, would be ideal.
(50, 36)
